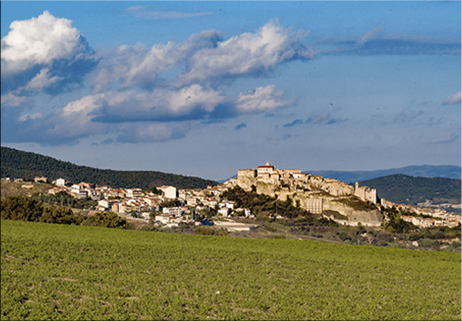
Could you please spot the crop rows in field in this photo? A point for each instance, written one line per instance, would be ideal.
(75, 272)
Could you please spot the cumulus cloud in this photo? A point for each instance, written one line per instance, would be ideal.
(248, 54)
(38, 52)
(208, 59)
(261, 99)
(144, 12)
(42, 80)
(96, 113)
(139, 93)
(39, 41)
(452, 99)
(140, 66)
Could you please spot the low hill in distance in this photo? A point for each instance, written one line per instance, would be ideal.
(447, 171)
(20, 164)
(413, 190)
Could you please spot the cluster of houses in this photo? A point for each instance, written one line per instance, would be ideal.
(149, 205)
(185, 203)
(429, 217)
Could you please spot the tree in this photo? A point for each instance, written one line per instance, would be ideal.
(106, 219)
(21, 208)
(155, 190)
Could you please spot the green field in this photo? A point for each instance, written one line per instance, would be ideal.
(90, 273)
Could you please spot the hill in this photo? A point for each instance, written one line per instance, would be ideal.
(413, 190)
(447, 171)
(20, 164)
(70, 272)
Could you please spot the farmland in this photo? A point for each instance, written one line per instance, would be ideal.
(66, 272)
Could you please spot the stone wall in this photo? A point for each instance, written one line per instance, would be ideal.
(314, 193)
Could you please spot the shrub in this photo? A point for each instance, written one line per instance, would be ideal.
(106, 219)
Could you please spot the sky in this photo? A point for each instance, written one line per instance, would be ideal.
(207, 88)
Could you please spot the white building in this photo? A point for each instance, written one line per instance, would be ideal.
(177, 211)
(224, 211)
(169, 191)
(61, 182)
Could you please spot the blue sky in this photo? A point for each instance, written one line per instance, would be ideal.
(206, 88)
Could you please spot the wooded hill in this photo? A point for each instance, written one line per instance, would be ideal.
(20, 164)
(448, 171)
(412, 190)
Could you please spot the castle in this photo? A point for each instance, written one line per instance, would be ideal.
(268, 174)
(314, 193)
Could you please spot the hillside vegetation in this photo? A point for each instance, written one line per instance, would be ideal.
(20, 164)
(66, 272)
(23, 188)
(413, 190)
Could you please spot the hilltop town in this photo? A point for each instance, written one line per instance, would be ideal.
(333, 199)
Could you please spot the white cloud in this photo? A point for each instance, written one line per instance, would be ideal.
(139, 93)
(42, 80)
(115, 113)
(139, 66)
(30, 116)
(12, 100)
(76, 119)
(39, 41)
(44, 54)
(261, 99)
(207, 58)
(453, 99)
(246, 54)
(91, 112)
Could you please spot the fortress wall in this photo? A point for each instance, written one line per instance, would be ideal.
(386, 204)
(361, 193)
(269, 183)
(371, 218)
(247, 173)
(371, 195)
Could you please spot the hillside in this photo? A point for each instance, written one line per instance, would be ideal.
(68, 272)
(447, 171)
(16, 163)
(413, 190)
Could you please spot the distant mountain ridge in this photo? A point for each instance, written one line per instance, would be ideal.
(411, 190)
(21, 164)
(446, 171)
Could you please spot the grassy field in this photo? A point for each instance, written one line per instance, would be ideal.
(75, 272)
